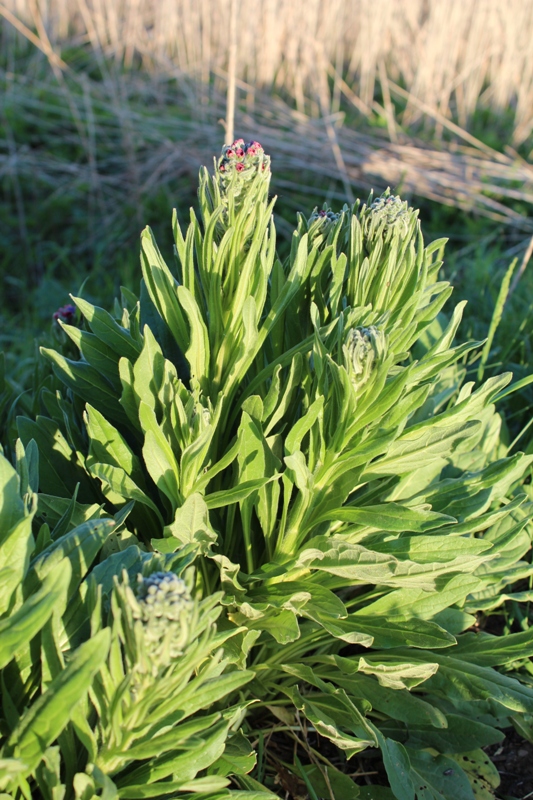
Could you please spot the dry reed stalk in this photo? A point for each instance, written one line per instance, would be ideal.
(446, 53)
(232, 73)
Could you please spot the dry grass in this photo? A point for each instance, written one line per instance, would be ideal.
(449, 54)
(109, 137)
(137, 135)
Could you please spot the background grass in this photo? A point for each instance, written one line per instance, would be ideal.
(107, 111)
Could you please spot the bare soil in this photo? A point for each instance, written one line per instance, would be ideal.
(513, 759)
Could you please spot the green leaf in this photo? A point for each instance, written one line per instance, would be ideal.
(208, 474)
(15, 551)
(459, 680)
(397, 704)
(17, 630)
(96, 353)
(486, 650)
(191, 524)
(87, 383)
(440, 776)
(80, 546)
(238, 758)
(303, 426)
(198, 352)
(108, 330)
(108, 446)
(398, 766)
(397, 675)
(234, 495)
(417, 449)
(60, 468)
(354, 562)
(461, 734)
(145, 780)
(390, 632)
(158, 456)
(389, 517)
(47, 717)
(375, 793)
(162, 287)
(496, 317)
(120, 483)
(327, 779)
(330, 716)
(149, 371)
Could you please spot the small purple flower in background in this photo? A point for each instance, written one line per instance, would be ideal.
(65, 314)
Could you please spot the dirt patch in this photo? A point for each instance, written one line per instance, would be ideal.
(513, 758)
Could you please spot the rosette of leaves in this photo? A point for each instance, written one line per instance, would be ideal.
(107, 690)
(355, 526)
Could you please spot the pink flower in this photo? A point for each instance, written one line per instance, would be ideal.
(239, 166)
(253, 148)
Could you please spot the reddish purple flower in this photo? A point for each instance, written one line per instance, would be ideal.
(239, 167)
(65, 313)
(253, 149)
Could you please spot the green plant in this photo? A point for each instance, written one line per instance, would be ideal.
(304, 429)
(103, 684)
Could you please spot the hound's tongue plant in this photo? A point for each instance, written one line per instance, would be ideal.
(302, 431)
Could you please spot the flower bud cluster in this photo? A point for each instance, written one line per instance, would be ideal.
(242, 159)
(390, 210)
(325, 215)
(164, 607)
(65, 314)
(321, 222)
(363, 350)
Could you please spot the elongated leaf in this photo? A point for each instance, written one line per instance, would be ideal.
(389, 517)
(390, 632)
(80, 546)
(108, 330)
(86, 382)
(107, 445)
(461, 734)
(235, 494)
(122, 484)
(162, 287)
(486, 650)
(48, 716)
(60, 468)
(20, 628)
(159, 457)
